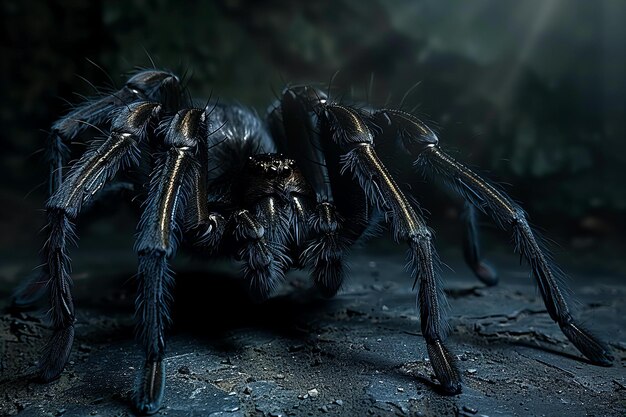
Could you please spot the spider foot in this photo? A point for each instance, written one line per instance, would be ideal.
(150, 387)
(329, 277)
(445, 368)
(55, 354)
(589, 345)
(486, 274)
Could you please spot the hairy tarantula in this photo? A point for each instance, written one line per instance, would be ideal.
(295, 190)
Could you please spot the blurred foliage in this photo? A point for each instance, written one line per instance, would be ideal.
(532, 92)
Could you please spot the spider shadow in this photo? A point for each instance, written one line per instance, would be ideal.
(201, 296)
(211, 306)
(507, 342)
(378, 361)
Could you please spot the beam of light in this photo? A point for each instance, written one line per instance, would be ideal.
(541, 21)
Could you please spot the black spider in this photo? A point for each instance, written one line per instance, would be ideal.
(218, 182)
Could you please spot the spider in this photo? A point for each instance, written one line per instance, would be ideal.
(296, 189)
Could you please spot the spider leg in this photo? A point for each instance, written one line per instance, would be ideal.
(199, 209)
(152, 85)
(170, 188)
(409, 226)
(297, 218)
(263, 260)
(326, 250)
(206, 225)
(393, 145)
(421, 143)
(275, 215)
(509, 216)
(66, 129)
(471, 248)
(294, 125)
(33, 287)
(349, 131)
(85, 178)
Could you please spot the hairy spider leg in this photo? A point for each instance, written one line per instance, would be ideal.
(326, 251)
(148, 85)
(510, 216)
(471, 248)
(295, 126)
(284, 215)
(299, 209)
(32, 288)
(263, 261)
(98, 165)
(198, 210)
(157, 239)
(205, 225)
(392, 140)
(422, 143)
(351, 133)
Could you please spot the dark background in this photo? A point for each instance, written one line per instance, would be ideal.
(531, 92)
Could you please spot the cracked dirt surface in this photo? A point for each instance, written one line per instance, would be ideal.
(358, 354)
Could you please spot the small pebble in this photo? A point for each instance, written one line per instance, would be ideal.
(471, 371)
(313, 392)
(400, 389)
(295, 348)
(339, 402)
(470, 409)
(324, 409)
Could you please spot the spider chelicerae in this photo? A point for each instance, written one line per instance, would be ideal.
(296, 189)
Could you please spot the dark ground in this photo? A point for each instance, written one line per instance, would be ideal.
(358, 354)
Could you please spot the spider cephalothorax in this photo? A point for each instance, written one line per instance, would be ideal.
(298, 189)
